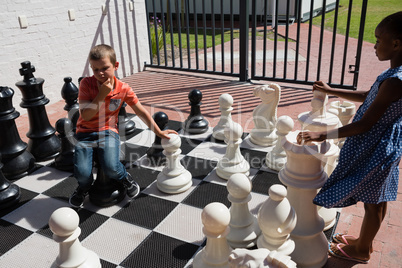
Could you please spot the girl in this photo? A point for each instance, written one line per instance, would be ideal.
(368, 163)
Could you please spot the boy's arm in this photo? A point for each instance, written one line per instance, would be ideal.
(150, 122)
(89, 109)
(352, 95)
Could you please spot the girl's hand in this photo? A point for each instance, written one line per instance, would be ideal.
(321, 86)
(165, 133)
(307, 136)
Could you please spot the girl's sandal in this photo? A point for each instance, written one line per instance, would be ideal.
(341, 238)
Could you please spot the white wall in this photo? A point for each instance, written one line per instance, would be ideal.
(58, 47)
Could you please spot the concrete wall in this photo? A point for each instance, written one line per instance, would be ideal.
(58, 47)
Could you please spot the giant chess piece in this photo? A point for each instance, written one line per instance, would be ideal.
(258, 258)
(225, 106)
(195, 123)
(264, 115)
(126, 126)
(303, 175)
(233, 161)
(276, 158)
(277, 219)
(17, 161)
(174, 178)
(215, 218)
(155, 152)
(64, 224)
(318, 119)
(10, 193)
(244, 229)
(43, 143)
(69, 92)
(345, 111)
(65, 160)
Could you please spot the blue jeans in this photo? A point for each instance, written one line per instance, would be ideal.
(107, 146)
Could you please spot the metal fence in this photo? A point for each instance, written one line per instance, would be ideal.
(272, 40)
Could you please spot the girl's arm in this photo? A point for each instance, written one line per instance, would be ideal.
(390, 91)
(352, 95)
(150, 122)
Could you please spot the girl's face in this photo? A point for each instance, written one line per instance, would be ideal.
(103, 69)
(384, 47)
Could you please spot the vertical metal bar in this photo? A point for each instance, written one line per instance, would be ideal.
(345, 48)
(187, 13)
(151, 56)
(360, 43)
(164, 31)
(324, 3)
(205, 35)
(178, 11)
(253, 38)
(213, 36)
(222, 38)
(231, 38)
(171, 33)
(264, 52)
(275, 38)
(156, 34)
(309, 40)
(244, 22)
(331, 66)
(285, 62)
(196, 35)
(299, 19)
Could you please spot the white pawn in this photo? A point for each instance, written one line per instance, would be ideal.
(276, 158)
(277, 219)
(244, 229)
(225, 106)
(233, 161)
(215, 218)
(174, 178)
(64, 224)
(264, 115)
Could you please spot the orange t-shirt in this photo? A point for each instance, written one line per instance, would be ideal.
(108, 114)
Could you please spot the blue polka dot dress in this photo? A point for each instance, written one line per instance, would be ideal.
(368, 163)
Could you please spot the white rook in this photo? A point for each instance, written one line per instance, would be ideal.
(303, 175)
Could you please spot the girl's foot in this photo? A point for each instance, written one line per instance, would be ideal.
(347, 252)
(340, 238)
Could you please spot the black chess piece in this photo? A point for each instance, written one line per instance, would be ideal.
(43, 144)
(126, 126)
(154, 153)
(17, 161)
(195, 123)
(10, 193)
(69, 92)
(65, 160)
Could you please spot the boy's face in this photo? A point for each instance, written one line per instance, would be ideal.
(103, 69)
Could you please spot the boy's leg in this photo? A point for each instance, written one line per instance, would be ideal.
(109, 159)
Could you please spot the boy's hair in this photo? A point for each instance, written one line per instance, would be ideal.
(392, 24)
(101, 51)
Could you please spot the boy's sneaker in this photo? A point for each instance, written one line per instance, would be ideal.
(133, 189)
(77, 198)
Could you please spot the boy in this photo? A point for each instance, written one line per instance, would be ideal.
(100, 98)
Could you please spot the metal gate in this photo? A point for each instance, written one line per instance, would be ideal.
(272, 40)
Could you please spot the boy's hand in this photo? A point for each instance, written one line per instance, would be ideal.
(105, 88)
(165, 133)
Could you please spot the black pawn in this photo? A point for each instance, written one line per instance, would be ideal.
(17, 161)
(126, 126)
(155, 152)
(69, 92)
(65, 160)
(195, 123)
(10, 194)
(43, 143)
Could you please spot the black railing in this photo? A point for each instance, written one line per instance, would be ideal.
(281, 44)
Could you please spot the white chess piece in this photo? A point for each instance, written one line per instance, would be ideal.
(277, 219)
(233, 161)
(259, 258)
(264, 115)
(64, 224)
(173, 178)
(276, 158)
(225, 106)
(345, 111)
(244, 229)
(215, 218)
(303, 175)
